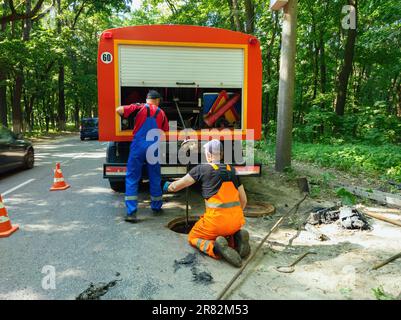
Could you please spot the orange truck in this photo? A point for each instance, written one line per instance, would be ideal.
(193, 68)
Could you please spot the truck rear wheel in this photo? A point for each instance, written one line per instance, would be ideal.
(117, 153)
(117, 186)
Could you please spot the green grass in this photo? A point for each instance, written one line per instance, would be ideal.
(382, 161)
(52, 132)
(380, 294)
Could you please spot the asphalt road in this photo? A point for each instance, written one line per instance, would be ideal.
(81, 234)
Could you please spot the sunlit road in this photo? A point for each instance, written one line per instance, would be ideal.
(81, 234)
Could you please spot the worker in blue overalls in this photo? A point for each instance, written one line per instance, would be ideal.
(148, 117)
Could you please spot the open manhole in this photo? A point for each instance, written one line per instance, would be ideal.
(179, 225)
(259, 209)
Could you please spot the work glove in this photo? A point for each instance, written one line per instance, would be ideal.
(165, 187)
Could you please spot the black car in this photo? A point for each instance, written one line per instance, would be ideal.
(89, 128)
(15, 151)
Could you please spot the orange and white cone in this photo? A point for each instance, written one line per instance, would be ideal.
(6, 229)
(59, 182)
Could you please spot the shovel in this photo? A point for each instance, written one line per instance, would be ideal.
(291, 267)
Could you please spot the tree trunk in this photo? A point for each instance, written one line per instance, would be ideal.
(250, 16)
(61, 75)
(76, 114)
(28, 21)
(51, 106)
(346, 69)
(29, 112)
(399, 100)
(323, 66)
(4, 23)
(315, 54)
(3, 99)
(235, 14)
(232, 22)
(269, 50)
(61, 98)
(16, 105)
(3, 79)
(286, 87)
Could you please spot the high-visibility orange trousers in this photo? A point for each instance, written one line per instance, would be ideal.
(215, 223)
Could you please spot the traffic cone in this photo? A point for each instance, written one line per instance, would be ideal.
(6, 229)
(59, 183)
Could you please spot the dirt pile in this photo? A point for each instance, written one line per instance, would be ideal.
(191, 260)
(96, 290)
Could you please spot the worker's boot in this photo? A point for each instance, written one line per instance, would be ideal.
(222, 249)
(131, 218)
(241, 239)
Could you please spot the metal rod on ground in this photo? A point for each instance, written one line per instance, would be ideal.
(291, 267)
(187, 204)
(277, 224)
(382, 264)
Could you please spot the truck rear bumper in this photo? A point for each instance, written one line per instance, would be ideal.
(117, 171)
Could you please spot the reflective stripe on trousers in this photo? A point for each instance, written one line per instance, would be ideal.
(205, 246)
(223, 205)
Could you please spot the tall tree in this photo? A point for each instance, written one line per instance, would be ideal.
(346, 68)
(250, 16)
(61, 125)
(3, 78)
(235, 12)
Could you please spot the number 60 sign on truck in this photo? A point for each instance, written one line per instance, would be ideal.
(210, 81)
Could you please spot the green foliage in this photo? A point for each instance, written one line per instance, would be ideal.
(380, 294)
(347, 198)
(68, 38)
(373, 107)
(382, 161)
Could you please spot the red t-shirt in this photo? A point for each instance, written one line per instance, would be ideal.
(161, 119)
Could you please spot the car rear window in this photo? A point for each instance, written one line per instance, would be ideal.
(90, 123)
(5, 134)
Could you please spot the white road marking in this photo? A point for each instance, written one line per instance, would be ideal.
(17, 187)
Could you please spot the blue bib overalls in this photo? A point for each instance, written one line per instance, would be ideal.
(137, 157)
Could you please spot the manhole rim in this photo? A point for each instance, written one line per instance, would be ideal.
(268, 207)
(181, 220)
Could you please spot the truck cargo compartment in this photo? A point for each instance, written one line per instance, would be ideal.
(193, 103)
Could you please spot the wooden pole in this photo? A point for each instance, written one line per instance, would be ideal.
(286, 87)
(382, 218)
(378, 266)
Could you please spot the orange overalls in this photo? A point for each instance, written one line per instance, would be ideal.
(223, 217)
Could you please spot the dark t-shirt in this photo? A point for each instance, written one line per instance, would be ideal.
(211, 179)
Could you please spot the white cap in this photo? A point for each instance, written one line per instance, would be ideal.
(214, 147)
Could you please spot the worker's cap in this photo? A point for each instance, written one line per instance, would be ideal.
(214, 147)
(153, 94)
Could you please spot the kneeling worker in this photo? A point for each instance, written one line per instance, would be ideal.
(225, 199)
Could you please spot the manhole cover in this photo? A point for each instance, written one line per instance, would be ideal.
(179, 225)
(259, 209)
